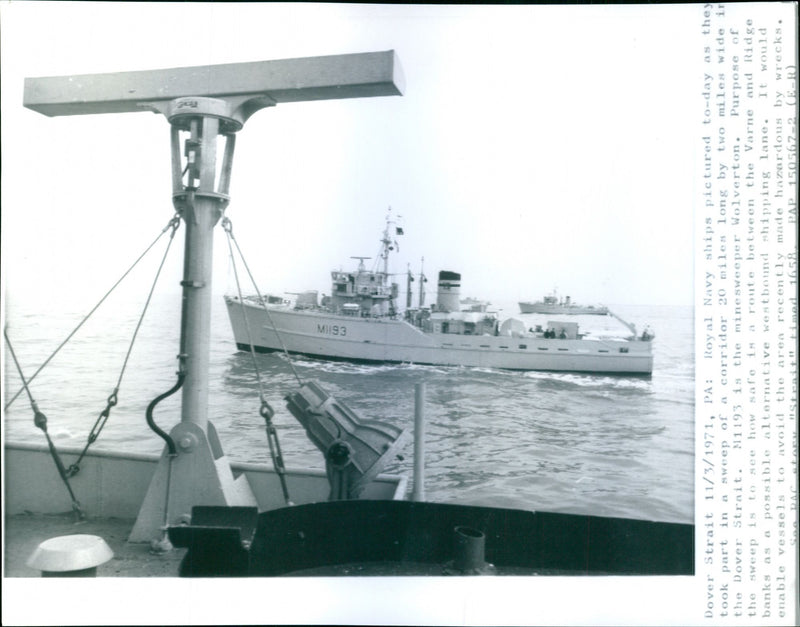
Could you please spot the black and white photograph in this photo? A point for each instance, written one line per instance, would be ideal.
(399, 314)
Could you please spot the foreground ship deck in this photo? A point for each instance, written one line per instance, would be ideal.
(24, 532)
(383, 537)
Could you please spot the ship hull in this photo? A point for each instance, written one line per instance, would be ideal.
(385, 340)
(113, 484)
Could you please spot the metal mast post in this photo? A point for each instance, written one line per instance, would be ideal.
(201, 203)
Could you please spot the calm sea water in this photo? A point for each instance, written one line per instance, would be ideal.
(577, 443)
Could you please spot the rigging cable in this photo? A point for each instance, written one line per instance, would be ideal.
(87, 316)
(40, 420)
(266, 410)
(228, 227)
(174, 223)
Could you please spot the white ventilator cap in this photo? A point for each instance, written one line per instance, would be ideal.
(69, 553)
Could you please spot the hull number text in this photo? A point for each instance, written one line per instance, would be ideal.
(332, 329)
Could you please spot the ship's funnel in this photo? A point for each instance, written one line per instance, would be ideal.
(447, 297)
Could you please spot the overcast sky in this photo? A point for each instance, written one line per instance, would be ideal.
(535, 148)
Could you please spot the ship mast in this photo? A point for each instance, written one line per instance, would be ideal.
(422, 281)
(386, 244)
(409, 280)
(203, 104)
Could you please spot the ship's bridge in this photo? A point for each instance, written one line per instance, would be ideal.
(360, 283)
(369, 290)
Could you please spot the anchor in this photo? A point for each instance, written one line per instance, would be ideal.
(202, 104)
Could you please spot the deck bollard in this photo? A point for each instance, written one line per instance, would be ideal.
(76, 555)
(470, 549)
(469, 552)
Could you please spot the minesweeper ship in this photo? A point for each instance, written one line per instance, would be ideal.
(553, 305)
(360, 322)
